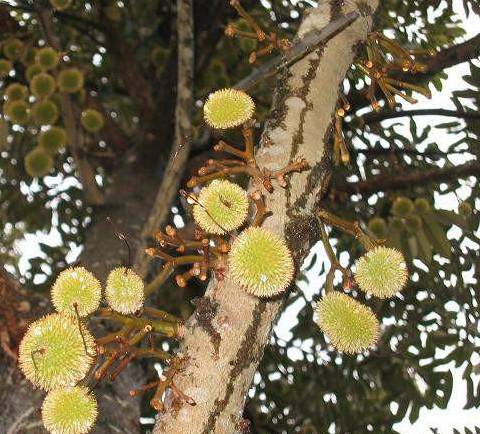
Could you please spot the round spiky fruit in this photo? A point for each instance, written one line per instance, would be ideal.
(70, 410)
(16, 91)
(125, 290)
(92, 120)
(54, 353)
(228, 108)
(5, 67)
(32, 71)
(70, 80)
(260, 262)
(422, 205)
(52, 140)
(378, 226)
(38, 162)
(402, 206)
(350, 326)
(397, 224)
(13, 49)
(17, 111)
(42, 85)
(222, 207)
(45, 112)
(382, 272)
(76, 286)
(413, 222)
(61, 5)
(47, 58)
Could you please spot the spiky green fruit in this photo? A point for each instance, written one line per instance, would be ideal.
(378, 227)
(61, 5)
(45, 112)
(465, 209)
(16, 91)
(5, 67)
(228, 108)
(47, 58)
(413, 222)
(125, 290)
(70, 80)
(52, 140)
(92, 120)
(350, 326)
(38, 162)
(42, 85)
(261, 262)
(422, 205)
(18, 112)
(76, 286)
(397, 224)
(70, 410)
(54, 353)
(382, 272)
(222, 207)
(32, 71)
(13, 48)
(402, 206)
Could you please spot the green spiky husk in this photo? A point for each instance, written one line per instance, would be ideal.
(124, 290)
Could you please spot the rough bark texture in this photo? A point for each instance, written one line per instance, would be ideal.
(226, 337)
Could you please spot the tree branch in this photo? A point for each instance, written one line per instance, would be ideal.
(375, 117)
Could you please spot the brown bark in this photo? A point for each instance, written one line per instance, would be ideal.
(223, 350)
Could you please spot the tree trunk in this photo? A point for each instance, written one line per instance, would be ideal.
(227, 334)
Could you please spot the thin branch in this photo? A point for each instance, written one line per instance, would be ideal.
(373, 117)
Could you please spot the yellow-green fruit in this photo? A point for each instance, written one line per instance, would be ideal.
(78, 287)
(92, 120)
(13, 49)
(45, 112)
(350, 326)
(17, 112)
(53, 139)
(413, 222)
(422, 205)
(125, 290)
(61, 5)
(465, 209)
(70, 80)
(29, 55)
(228, 108)
(32, 71)
(42, 85)
(53, 353)
(47, 58)
(70, 410)
(382, 272)
(38, 162)
(16, 91)
(260, 262)
(5, 67)
(222, 207)
(378, 227)
(402, 206)
(397, 224)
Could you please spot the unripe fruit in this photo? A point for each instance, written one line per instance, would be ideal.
(382, 272)
(465, 209)
(413, 222)
(13, 49)
(402, 206)
(125, 290)
(350, 326)
(222, 206)
(378, 227)
(70, 80)
(45, 112)
(29, 55)
(38, 162)
(261, 262)
(422, 205)
(61, 5)
(397, 224)
(78, 287)
(92, 120)
(5, 67)
(47, 58)
(16, 91)
(52, 140)
(17, 112)
(32, 71)
(228, 108)
(53, 352)
(42, 85)
(71, 410)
